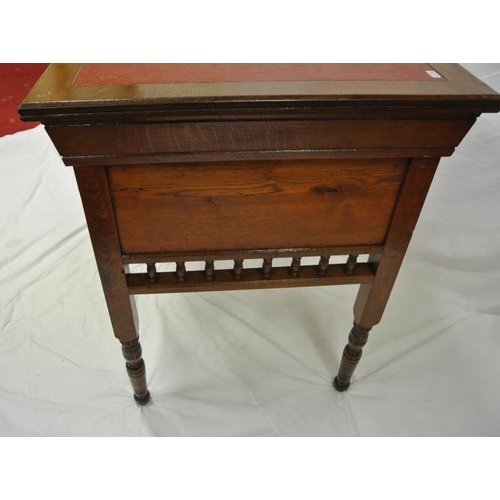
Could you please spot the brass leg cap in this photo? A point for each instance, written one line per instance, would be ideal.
(144, 400)
(340, 388)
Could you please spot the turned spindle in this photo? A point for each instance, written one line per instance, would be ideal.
(351, 356)
(152, 277)
(267, 267)
(209, 270)
(136, 369)
(322, 268)
(238, 269)
(351, 264)
(180, 272)
(294, 270)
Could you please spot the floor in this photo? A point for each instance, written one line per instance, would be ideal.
(255, 363)
(15, 82)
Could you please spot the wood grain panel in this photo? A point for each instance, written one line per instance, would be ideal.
(254, 205)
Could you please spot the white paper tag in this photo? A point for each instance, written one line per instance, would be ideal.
(433, 73)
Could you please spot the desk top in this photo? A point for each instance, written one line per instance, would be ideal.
(105, 93)
(72, 86)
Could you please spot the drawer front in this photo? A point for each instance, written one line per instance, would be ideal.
(254, 205)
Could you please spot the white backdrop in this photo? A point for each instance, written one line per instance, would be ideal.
(255, 363)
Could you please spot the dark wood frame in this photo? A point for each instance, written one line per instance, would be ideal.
(196, 125)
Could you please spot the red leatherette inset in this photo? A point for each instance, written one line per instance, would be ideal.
(98, 75)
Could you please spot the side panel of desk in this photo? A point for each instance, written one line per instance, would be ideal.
(254, 205)
(163, 204)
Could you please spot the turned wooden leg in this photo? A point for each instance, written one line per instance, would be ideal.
(136, 369)
(94, 190)
(372, 298)
(351, 356)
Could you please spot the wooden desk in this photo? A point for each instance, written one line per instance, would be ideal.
(210, 162)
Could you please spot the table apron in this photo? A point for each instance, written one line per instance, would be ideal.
(207, 141)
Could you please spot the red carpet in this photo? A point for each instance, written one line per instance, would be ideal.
(15, 82)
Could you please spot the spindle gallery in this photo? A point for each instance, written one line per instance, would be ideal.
(218, 163)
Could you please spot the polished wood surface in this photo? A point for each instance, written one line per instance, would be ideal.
(216, 169)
